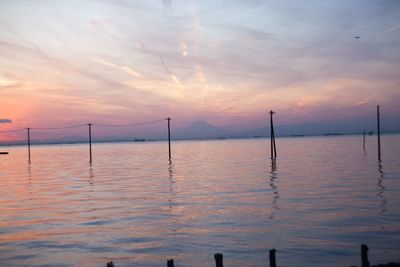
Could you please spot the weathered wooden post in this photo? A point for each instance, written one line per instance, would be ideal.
(273, 146)
(364, 140)
(90, 141)
(364, 256)
(379, 133)
(29, 143)
(170, 263)
(218, 260)
(169, 138)
(272, 258)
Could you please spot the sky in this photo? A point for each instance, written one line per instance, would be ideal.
(227, 62)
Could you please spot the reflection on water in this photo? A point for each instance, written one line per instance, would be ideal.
(381, 187)
(91, 174)
(135, 207)
(171, 183)
(29, 173)
(273, 176)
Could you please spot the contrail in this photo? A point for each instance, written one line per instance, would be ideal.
(31, 44)
(173, 77)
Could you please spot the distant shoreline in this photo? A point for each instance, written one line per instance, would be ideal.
(327, 135)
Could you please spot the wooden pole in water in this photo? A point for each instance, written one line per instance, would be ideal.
(270, 126)
(273, 145)
(29, 143)
(272, 258)
(90, 141)
(364, 140)
(364, 256)
(218, 260)
(170, 263)
(379, 132)
(169, 138)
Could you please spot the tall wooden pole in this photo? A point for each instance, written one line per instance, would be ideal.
(271, 136)
(273, 145)
(29, 143)
(90, 141)
(379, 133)
(169, 138)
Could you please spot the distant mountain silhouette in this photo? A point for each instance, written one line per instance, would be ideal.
(200, 130)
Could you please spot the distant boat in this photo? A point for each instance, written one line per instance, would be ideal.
(329, 134)
(139, 140)
(3, 153)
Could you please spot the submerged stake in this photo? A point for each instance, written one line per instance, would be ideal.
(364, 256)
(218, 260)
(272, 258)
(170, 263)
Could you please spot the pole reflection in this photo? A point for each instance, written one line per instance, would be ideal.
(274, 188)
(91, 174)
(381, 187)
(29, 173)
(171, 184)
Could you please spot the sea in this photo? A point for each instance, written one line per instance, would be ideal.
(316, 203)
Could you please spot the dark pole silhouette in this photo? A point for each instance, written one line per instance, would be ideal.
(273, 145)
(379, 132)
(364, 256)
(218, 260)
(272, 258)
(90, 141)
(364, 140)
(169, 138)
(170, 263)
(29, 143)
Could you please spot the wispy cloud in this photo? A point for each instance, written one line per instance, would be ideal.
(393, 28)
(123, 68)
(5, 121)
(173, 77)
(117, 59)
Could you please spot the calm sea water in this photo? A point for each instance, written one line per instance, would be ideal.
(321, 199)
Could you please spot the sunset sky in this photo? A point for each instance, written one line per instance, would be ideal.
(226, 62)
